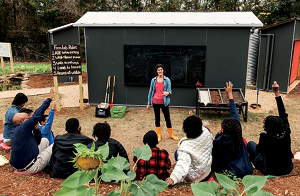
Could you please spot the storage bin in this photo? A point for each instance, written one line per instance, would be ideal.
(117, 111)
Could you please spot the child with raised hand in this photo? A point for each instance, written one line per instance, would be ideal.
(273, 155)
(229, 151)
(46, 124)
(193, 156)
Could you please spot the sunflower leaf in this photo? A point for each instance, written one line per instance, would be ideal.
(66, 191)
(80, 147)
(143, 153)
(103, 150)
(112, 173)
(119, 162)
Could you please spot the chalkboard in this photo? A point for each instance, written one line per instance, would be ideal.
(185, 65)
(65, 60)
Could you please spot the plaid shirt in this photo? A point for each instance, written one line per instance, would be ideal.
(158, 164)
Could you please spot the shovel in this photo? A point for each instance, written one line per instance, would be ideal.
(113, 93)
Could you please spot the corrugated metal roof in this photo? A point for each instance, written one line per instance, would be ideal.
(279, 23)
(175, 19)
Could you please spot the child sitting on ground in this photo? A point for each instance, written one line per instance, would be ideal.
(229, 151)
(193, 157)
(46, 124)
(102, 132)
(273, 155)
(159, 163)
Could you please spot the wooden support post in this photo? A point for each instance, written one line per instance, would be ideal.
(11, 60)
(2, 64)
(56, 92)
(80, 92)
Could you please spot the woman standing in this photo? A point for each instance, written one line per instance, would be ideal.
(159, 97)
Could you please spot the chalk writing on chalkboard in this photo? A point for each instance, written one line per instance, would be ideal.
(185, 65)
(65, 60)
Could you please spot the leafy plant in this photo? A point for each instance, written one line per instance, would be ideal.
(90, 163)
(252, 184)
(231, 175)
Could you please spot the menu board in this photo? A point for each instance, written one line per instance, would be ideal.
(66, 60)
(5, 49)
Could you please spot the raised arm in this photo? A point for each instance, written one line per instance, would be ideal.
(233, 111)
(280, 106)
(47, 128)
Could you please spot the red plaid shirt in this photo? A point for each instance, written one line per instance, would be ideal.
(158, 164)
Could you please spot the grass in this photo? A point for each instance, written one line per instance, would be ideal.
(31, 68)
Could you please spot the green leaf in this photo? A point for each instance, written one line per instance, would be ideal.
(86, 177)
(73, 180)
(90, 192)
(250, 181)
(143, 153)
(225, 181)
(119, 162)
(112, 194)
(204, 188)
(79, 178)
(112, 173)
(262, 193)
(93, 146)
(145, 190)
(157, 184)
(131, 174)
(224, 191)
(80, 147)
(252, 190)
(66, 191)
(104, 150)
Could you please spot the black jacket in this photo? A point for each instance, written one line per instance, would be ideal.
(276, 153)
(115, 148)
(63, 152)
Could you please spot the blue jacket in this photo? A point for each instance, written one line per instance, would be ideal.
(46, 130)
(24, 147)
(9, 125)
(222, 160)
(167, 87)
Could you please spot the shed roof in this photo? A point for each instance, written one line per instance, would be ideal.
(279, 23)
(169, 19)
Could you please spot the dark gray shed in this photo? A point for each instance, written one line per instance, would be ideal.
(112, 38)
(279, 54)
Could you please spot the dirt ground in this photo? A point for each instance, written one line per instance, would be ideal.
(16, 184)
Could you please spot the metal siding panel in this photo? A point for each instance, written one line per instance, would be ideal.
(104, 53)
(144, 36)
(66, 36)
(261, 62)
(282, 57)
(297, 30)
(225, 46)
(137, 95)
(185, 36)
(226, 54)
